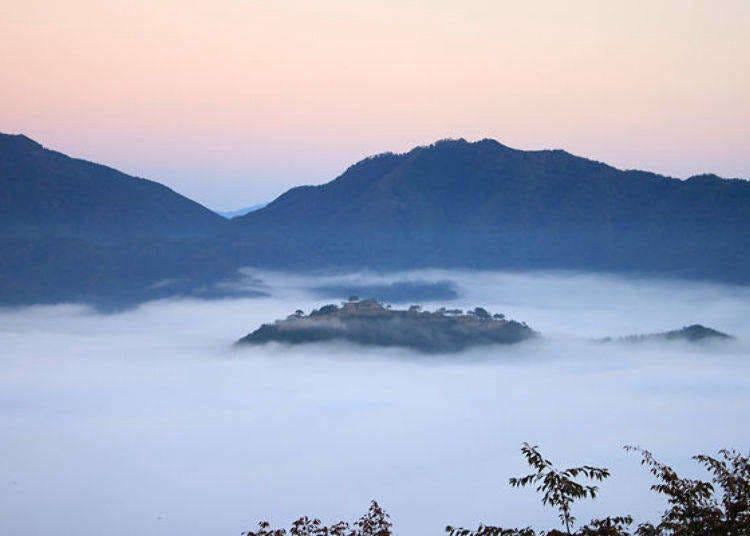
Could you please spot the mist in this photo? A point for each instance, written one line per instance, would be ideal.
(150, 422)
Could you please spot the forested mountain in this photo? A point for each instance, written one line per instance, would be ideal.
(71, 230)
(485, 205)
(43, 191)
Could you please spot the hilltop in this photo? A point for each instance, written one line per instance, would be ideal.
(76, 231)
(44, 191)
(369, 322)
(458, 204)
(692, 333)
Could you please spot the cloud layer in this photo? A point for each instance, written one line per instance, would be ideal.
(147, 422)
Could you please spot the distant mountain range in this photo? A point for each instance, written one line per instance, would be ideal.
(72, 230)
(229, 214)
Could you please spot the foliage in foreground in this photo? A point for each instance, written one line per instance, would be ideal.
(375, 522)
(719, 507)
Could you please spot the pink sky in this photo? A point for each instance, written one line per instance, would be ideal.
(232, 102)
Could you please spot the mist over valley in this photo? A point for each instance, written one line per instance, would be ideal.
(150, 421)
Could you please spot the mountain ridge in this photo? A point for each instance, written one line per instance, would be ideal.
(74, 230)
(43, 189)
(483, 204)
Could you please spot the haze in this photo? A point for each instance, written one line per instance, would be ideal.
(148, 422)
(231, 103)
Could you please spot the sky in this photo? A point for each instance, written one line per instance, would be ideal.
(232, 102)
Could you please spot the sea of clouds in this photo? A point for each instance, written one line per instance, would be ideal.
(149, 422)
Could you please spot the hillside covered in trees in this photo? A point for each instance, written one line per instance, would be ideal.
(457, 204)
(368, 322)
(73, 230)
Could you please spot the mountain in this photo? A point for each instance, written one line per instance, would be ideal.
(485, 205)
(692, 333)
(229, 214)
(72, 230)
(43, 191)
(369, 323)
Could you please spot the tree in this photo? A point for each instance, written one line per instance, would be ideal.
(489, 530)
(481, 312)
(376, 522)
(694, 508)
(731, 473)
(558, 488)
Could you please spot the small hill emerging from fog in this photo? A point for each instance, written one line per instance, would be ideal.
(692, 333)
(456, 204)
(368, 322)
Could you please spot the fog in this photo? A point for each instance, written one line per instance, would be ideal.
(149, 421)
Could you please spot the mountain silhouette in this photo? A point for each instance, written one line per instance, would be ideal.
(485, 205)
(46, 191)
(72, 230)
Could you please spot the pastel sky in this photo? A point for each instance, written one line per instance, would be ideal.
(232, 102)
